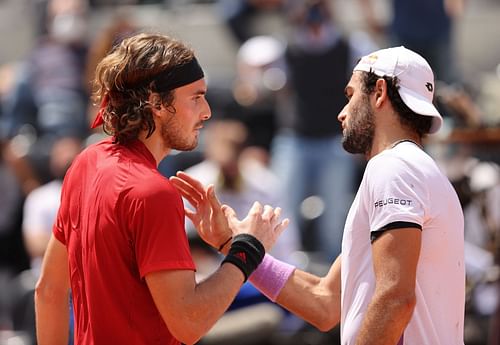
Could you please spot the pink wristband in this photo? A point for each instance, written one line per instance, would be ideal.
(270, 276)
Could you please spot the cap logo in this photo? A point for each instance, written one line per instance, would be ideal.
(241, 256)
(429, 87)
(370, 59)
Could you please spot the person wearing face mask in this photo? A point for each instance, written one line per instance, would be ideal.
(49, 97)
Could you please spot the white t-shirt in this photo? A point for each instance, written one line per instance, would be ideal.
(40, 211)
(403, 184)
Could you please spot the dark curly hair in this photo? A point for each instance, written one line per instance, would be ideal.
(125, 79)
(421, 124)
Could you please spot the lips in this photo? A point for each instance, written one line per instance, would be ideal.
(198, 126)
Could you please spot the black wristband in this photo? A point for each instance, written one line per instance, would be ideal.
(246, 253)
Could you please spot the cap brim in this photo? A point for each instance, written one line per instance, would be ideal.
(422, 106)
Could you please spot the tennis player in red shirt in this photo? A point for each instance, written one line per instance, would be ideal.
(119, 241)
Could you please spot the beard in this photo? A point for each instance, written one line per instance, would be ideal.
(173, 138)
(358, 137)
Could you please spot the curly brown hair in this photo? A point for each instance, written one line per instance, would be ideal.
(125, 80)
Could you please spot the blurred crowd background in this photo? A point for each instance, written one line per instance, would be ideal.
(276, 70)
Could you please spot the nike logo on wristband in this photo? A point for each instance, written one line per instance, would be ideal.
(242, 256)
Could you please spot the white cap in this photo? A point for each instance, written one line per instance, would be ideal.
(261, 50)
(416, 80)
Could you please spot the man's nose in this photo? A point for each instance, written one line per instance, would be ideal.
(207, 112)
(343, 114)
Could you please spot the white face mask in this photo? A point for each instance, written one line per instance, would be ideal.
(68, 27)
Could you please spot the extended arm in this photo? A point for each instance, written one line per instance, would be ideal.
(52, 296)
(314, 299)
(395, 258)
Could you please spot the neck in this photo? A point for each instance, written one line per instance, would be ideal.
(384, 141)
(155, 145)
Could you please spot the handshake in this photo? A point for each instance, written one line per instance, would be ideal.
(219, 226)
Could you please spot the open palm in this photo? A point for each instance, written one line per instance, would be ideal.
(207, 217)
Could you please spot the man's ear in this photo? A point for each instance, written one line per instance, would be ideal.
(155, 101)
(380, 92)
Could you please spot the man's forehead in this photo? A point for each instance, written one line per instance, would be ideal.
(198, 86)
(355, 80)
(356, 76)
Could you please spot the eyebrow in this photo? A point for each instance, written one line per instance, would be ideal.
(346, 89)
(200, 92)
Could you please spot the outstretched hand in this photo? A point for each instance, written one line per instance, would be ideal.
(208, 217)
(217, 223)
(262, 222)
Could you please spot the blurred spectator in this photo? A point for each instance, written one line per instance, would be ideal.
(482, 233)
(307, 155)
(41, 205)
(40, 210)
(13, 258)
(240, 179)
(427, 27)
(424, 26)
(49, 97)
(260, 75)
(478, 185)
(121, 26)
(239, 15)
(52, 78)
(286, 88)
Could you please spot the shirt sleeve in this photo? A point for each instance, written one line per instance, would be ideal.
(62, 214)
(58, 232)
(160, 241)
(396, 193)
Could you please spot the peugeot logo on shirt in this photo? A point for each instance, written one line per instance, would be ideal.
(392, 201)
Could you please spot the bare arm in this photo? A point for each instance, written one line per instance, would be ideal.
(190, 309)
(314, 299)
(395, 259)
(52, 296)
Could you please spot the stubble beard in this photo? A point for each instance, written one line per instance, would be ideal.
(358, 137)
(174, 139)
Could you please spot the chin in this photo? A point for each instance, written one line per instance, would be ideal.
(189, 146)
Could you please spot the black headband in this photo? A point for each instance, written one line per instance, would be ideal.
(177, 76)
